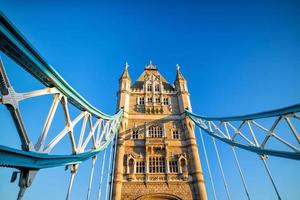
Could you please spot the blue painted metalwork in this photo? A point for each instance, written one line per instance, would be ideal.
(14, 44)
(272, 113)
(11, 157)
(259, 149)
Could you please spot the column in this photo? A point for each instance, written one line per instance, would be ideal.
(196, 169)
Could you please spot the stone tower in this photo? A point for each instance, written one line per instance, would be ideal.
(157, 155)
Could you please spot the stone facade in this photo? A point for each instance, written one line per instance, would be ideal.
(157, 155)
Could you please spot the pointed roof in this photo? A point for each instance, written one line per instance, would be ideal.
(151, 70)
(179, 75)
(151, 66)
(125, 74)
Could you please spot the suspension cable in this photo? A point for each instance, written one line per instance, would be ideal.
(221, 168)
(240, 172)
(91, 177)
(113, 165)
(220, 164)
(73, 173)
(101, 175)
(270, 176)
(238, 163)
(208, 166)
(107, 179)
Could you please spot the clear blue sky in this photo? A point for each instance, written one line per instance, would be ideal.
(238, 57)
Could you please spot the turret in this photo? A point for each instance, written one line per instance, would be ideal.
(123, 102)
(124, 90)
(182, 89)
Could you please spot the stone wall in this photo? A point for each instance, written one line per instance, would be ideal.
(132, 191)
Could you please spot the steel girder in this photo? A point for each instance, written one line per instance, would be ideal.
(229, 133)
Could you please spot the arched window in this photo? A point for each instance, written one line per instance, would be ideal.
(183, 165)
(135, 134)
(166, 101)
(141, 101)
(149, 87)
(175, 134)
(131, 166)
(157, 100)
(157, 88)
(155, 132)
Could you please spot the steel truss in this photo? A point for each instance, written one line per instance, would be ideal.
(244, 132)
(97, 130)
(224, 130)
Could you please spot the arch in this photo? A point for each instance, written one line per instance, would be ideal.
(159, 196)
(130, 165)
(182, 164)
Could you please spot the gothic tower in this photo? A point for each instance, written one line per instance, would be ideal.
(157, 155)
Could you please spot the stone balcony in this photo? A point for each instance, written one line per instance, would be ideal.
(157, 177)
(154, 108)
(151, 141)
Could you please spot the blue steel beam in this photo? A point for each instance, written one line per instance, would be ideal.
(14, 44)
(256, 149)
(272, 113)
(15, 158)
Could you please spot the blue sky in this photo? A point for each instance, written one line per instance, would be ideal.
(238, 57)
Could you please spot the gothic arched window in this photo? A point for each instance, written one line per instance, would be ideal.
(157, 89)
(149, 87)
(166, 101)
(183, 165)
(175, 134)
(155, 132)
(135, 134)
(131, 166)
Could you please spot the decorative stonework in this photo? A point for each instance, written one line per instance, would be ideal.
(158, 158)
(132, 191)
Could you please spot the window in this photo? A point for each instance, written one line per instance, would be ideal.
(140, 167)
(142, 101)
(155, 132)
(183, 165)
(150, 99)
(166, 101)
(176, 134)
(149, 87)
(135, 134)
(157, 88)
(156, 164)
(157, 100)
(131, 166)
(173, 165)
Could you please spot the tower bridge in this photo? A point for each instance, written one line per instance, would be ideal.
(150, 142)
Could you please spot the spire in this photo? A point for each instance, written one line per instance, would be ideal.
(179, 75)
(125, 74)
(151, 66)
